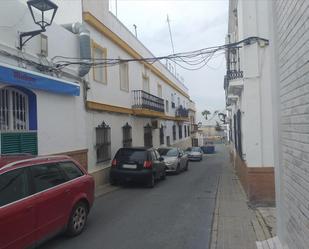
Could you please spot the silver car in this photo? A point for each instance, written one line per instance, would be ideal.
(175, 159)
(194, 153)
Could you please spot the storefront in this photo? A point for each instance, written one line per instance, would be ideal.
(18, 106)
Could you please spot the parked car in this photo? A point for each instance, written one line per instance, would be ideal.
(175, 159)
(194, 153)
(138, 164)
(208, 148)
(41, 196)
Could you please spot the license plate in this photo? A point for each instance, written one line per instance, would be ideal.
(129, 166)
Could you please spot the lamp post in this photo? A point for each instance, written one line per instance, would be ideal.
(44, 7)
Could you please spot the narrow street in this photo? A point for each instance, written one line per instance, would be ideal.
(176, 214)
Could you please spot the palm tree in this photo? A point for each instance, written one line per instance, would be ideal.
(205, 113)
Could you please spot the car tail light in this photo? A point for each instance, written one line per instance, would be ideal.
(147, 164)
(114, 163)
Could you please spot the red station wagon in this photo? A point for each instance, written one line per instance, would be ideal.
(40, 197)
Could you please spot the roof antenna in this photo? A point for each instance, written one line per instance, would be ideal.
(171, 37)
(135, 30)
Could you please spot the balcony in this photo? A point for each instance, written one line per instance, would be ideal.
(233, 81)
(182, 112)
(143, 100)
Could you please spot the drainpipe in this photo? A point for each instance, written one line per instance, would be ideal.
(84, 45)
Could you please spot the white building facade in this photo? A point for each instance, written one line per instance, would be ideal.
(46, 109)
(141, 104)
(41, 108)
(248, 97)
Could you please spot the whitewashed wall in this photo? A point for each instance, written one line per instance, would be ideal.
(292, 92)
(60, 118)
(255, 98)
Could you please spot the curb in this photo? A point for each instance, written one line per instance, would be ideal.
(104, 189)
(215, 222)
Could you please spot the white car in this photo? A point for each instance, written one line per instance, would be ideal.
(194, 153)
(175, 159)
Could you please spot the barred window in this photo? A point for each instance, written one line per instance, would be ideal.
(148, 136)
(13, 110)
(127, 135)
(180, 131)
(174, 132)
(103, 142)
(161, 135)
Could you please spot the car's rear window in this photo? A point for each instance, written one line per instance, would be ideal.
(168, 152)
(131, 155)
(196, 149)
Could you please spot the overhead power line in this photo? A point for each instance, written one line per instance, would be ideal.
(191, 60)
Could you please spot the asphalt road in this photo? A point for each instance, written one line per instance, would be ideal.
(176, 214)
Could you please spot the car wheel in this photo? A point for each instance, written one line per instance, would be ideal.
(77, 219)
(151, 182)
(187, 166)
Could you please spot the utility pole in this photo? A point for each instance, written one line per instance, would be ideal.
(171, 37)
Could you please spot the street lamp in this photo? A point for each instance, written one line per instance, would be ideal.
(46, 8)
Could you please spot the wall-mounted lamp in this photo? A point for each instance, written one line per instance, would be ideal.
(47, 8)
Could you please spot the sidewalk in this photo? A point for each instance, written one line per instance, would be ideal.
(236, 225)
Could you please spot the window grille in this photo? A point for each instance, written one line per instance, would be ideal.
(180, 131)
(174, 132)
(127, 135)
(13, 110)
(103, 142)
(148, 136)
(161, 135)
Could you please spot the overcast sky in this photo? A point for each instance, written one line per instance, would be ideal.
(195, 24)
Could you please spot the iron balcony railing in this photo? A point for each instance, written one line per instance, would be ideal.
(144, 100)
(234, 74)
(182, 112)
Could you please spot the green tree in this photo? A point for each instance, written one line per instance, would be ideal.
(205, 114)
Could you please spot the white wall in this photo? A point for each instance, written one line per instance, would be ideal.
(61, 118)
(291, 91)
(61, 123)
(255, 100)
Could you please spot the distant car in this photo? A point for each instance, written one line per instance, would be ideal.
(208, 148)
(40, 197)
(194, 153)
(138, 164)
(175, 159)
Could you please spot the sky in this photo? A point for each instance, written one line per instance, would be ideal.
(194, 24)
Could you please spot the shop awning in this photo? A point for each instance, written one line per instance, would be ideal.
(22, 77)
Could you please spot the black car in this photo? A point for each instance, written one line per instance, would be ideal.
(137, 164)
